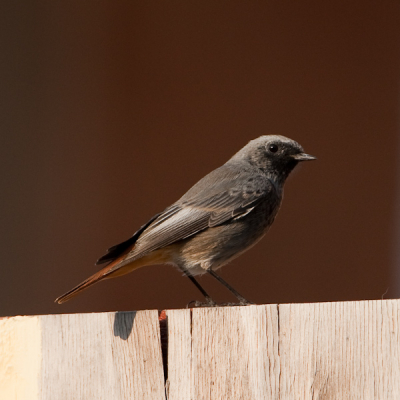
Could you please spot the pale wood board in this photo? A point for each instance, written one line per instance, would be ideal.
(340, 350)
(233, 352)
(344, 350)
(102, 356)
(325, 351)
(179, 354)
(20, 358)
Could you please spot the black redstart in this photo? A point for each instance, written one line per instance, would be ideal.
(219, 218)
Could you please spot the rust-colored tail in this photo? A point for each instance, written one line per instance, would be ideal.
(110, 271)
(98, 276)
(116, 268)
(114, 256)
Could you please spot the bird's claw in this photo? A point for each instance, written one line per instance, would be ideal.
(208, 303)
(212, 303)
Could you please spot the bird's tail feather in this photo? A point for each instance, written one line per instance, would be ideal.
(82, 286)
(110, 271)
(118, 267)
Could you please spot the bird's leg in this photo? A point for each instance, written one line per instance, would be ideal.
(241, 299)
(209, 301)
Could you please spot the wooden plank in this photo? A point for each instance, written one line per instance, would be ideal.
(82, 356)
(232, 356)
(346, 350)
(102, 356)
(179, 354)
(20, 355)
(335, 351)
(340, 350)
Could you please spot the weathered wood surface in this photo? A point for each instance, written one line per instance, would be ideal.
(83, 356)
(320, 351)
(232, 354)
(340, 350)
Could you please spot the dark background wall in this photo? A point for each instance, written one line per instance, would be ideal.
(110, 111)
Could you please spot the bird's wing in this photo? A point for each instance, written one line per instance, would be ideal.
(224, 194)
(115, 251)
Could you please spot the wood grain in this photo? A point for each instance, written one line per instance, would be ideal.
(179, 354)
(319, 351)
(232, 354)
(340, 350)
(81, 356)
(102, 356)
(20, 355)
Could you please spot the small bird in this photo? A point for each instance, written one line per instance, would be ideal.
(220, 217)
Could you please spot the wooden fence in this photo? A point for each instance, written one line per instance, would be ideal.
(345, 350)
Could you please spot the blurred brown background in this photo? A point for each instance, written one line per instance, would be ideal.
(110, 111)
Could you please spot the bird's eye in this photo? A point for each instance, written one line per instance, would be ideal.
(273, 148)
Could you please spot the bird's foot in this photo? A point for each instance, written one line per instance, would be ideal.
(211, 303)
(244, 302)
(241, 303)
(208, 303)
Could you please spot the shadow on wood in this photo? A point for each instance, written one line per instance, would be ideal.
(123, 323)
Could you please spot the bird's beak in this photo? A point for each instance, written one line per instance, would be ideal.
(303, 157)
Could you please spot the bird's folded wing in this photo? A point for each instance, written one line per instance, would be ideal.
(230, 196)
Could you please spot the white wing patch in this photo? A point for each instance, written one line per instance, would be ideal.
(244, 214)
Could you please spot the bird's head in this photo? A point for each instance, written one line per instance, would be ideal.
(275, 155)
